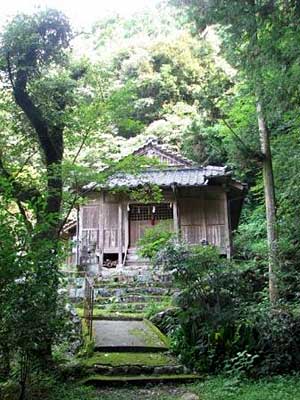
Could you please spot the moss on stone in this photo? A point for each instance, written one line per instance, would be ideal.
(158, 333)
(118, 359)
(98, 313)
(94, 379)
(149, 337)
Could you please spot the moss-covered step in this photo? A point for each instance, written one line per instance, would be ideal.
(99, 379)
(113, 315)
(133, 364)
(128, 336)
(119, 359)
(121, 306)
(132, 298)
(132, 287)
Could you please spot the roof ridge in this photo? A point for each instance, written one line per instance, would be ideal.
(177, 168)
(164, 147)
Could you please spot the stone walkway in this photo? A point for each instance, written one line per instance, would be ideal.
(128, 334)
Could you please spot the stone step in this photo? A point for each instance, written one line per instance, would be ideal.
(128, 336)
(136, 257)
(138, 369)
(120, 306)
(141, 273)
(132, 250)
(139, 379)
(133, 363)
(137, 263)
(131, 298)
(106, 315)
(132, 290)
(154, 292)
(131, 352)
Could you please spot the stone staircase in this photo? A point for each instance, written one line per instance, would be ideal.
(128, 347)
(132, 352)
(139, 269)
(134, 259)
(135, 267)
(133, 299)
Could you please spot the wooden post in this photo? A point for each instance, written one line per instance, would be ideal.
(227, 226)
(120, 241)
(77, 237)
(175, 211)
(101, 229)
(126, 226)
(204, 223)
(175, 217)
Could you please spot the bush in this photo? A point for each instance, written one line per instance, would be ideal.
(154, 239)
(223, 319)
(276, 340)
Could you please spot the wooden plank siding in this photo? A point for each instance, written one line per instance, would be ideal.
(110, 227)
(216, 220)
(90, 225)
(203, 218)
(199, 215)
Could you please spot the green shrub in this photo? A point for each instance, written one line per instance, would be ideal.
(154, 239)
(154, 307)
(222, 318)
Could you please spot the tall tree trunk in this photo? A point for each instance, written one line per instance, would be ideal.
(270, 203)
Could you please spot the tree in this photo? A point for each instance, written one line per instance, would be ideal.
(254, 33)
(38, 88)
(155, 74)
(32, 46)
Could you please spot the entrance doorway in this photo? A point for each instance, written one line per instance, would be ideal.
(143, 216)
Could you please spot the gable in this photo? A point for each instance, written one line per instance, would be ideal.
(163, 154)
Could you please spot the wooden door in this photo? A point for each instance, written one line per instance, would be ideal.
(143, 216)
(140, 218)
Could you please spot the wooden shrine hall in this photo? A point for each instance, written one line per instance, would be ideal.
(202, 204)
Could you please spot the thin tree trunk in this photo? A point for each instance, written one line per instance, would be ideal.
(269, 189)
(5, 362)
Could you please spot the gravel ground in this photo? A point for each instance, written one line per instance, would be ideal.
(157, 392)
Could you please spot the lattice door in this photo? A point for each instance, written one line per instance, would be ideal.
(142, 216)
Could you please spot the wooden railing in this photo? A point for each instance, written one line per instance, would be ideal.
(89, 305)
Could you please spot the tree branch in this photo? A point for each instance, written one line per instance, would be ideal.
(257, 155)
(81, 146)
(24, 164)
(20, 192)
(63, 222)
(24, 215)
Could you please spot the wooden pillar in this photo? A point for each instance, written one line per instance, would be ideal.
(101, 229)
(227, 226)
(120, 239)
(203, 203)
(77, 237)
(126, 226)
(175, 217)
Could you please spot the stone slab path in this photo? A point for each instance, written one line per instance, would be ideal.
(127, 334)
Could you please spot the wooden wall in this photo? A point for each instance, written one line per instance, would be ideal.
(205, 218)
(202, 216)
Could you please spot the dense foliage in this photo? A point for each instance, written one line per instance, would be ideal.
(188, 75)
(154, 239)
(223, 320)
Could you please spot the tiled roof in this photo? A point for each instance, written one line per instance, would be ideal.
(183, 176)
